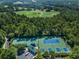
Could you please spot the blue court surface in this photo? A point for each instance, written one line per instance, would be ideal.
(58, 50)
(54, 41)
(43, 49)
(50, 50)
(66, 49)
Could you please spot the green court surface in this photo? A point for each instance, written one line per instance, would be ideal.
(56, 45)
(37, 13)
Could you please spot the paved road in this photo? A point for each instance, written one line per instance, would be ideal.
(6, 44)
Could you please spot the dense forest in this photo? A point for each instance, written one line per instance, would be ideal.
(65, 25)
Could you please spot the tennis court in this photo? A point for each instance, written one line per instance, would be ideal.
(52, 41)
(56, 45)
(53, 44)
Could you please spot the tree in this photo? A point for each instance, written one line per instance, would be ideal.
(2, 37)
(75, 52)
(71, 43)
(39, 55)
(7, 54)
(1, 50)
(20, 49)
(52, 54)
(46, 54)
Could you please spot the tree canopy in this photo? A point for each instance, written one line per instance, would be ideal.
(65, 24)
(7, 54)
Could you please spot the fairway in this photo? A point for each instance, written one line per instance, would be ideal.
(37, 13)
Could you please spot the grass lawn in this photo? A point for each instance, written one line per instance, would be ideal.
(37, 13)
